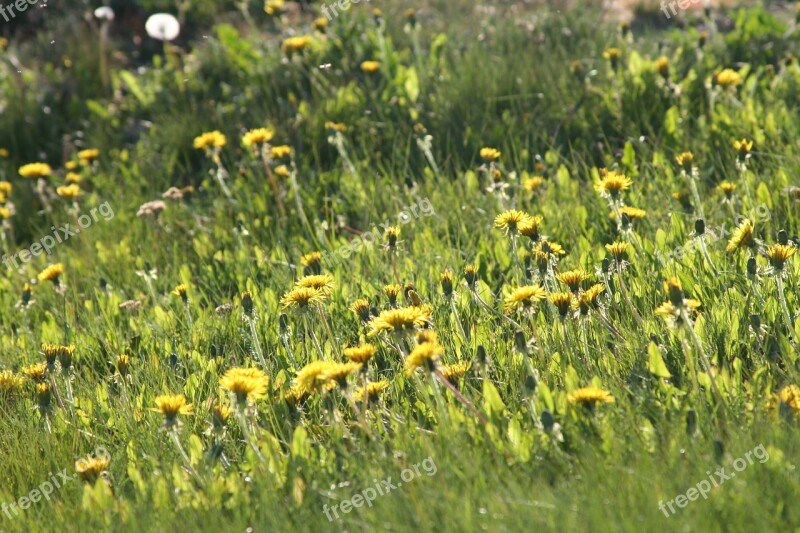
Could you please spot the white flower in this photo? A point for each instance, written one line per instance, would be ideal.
(162, 26)
(104, 13)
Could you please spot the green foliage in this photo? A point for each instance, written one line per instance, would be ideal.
(513, 444)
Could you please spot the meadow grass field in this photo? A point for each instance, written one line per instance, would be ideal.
(399, 266)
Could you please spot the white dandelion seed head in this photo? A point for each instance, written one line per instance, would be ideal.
(162, 26)
(104, 13)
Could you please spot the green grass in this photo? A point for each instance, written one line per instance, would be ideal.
(470, 79)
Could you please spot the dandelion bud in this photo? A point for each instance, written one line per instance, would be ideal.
(123, 362)
(548, 421)
(446, 280)
(751, 266)
(691, 422)
(26, 294)
(520, 342)
(471, 275)
(392, 233)
(247, 303)
(674, 291)
(700, 226)
(43, 395)
(481, 354)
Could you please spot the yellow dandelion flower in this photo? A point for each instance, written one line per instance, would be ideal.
(321, 282)
(370, 391)
(618, 249)
(10, 384)
(672, 312)
(392, 291)
(320, 24)
(51, 273)
(311, 260)
(400, 320)
(6, 188)
(778, 254)
(562, 301)
(589, 396)
(728, 78)
(181, 291)
(87, 156)
(427, 335)
(633, 213)
(257, 136)
(219, 415)
(302, 297)
(35, 372)
(588, 299)
(361, 308)
(71, 165)
(69, 192)
(662, 66)
(91, 468)
(280, 152)
(338, 372)
(490, 154)
(727, 188)
(426, 355)
(361, 353)
(296, 44)
(524, 297)
(546, 250)
(455, 371)
(273, 7)
(742, 236)
(533, 184)
(573, 278)
(295, 395)
(172, 405)
(511, 219)
(5, 213)
(73, 178)
(335, 126)
(789, 396)
(370, 67)
(685, 160)
(35, 170)
(612, 183)
(612, 53)
(245, 383)
(314, 377)
(530, 227)
(211, 139)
